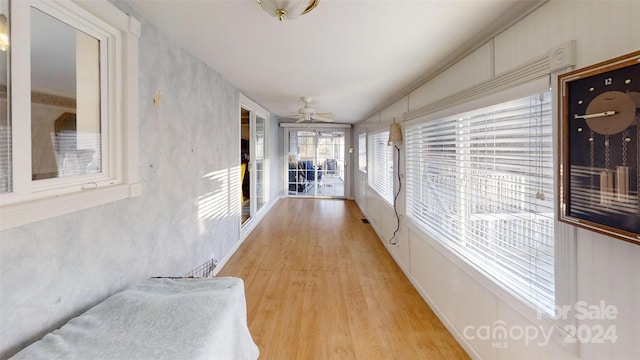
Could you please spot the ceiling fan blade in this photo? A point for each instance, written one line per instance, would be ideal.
(300, 120)
(322, 118)
(290, 117)
(329, 115)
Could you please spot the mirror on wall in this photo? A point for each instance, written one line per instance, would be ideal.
(66, 130)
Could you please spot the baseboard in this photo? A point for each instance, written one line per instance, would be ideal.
(243, 237)
(434, 307)
(436, 310)
(223, 261)
(442, 317)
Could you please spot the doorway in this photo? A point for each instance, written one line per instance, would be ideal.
(245, 157)
(253, 164)
(316, 162)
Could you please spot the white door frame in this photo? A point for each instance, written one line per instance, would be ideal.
(313, 127)
(255, 110)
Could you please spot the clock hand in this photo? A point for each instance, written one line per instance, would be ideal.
(595, 115)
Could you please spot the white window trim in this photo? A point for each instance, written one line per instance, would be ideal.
(29, 202)
(565, 251)
(557, 60)
(528, 91)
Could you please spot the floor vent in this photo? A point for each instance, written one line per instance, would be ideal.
(365, 221)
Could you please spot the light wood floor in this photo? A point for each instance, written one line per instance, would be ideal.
(320, 285)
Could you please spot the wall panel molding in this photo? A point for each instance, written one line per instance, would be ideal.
(560, 57)
(521, 10)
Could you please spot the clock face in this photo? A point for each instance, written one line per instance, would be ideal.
(602, 115)
(610, 113)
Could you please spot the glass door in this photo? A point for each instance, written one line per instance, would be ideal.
(253, 161)
(259, 170)
(245, 163)
(316, 164)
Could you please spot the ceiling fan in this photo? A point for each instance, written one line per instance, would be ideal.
(307, 113)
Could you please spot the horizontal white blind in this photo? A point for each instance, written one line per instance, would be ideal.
(481, 182)
(380, 165)
(362, 152)
(5, 159)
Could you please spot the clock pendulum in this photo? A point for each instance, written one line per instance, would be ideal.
(635, 96)
(592, 165)
(603, 120)
(622, 171)
(606, 176)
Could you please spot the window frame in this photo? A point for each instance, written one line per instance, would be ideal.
(531, 76)
(503, 274)
(565, 235)
(34, 200)
(362, 152)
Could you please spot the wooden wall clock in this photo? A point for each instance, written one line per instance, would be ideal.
(599, 112)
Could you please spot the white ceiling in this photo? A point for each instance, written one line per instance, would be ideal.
(351, 56)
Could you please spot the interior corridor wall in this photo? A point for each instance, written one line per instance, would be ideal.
(607, 269)
(189, 211)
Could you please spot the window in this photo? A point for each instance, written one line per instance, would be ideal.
(481, 183)
(380, 165)
(362, 152)
(5, 125)
(69, 140)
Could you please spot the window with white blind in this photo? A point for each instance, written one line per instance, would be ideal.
(380, 165)
(5, 158)
(362, 152)
(481, 183)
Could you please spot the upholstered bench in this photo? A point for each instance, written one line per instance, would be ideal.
(157, 319)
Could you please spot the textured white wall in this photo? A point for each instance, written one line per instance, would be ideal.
(607, 269)
(189, 157)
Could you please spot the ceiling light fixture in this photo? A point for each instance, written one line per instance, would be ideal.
(288, 9)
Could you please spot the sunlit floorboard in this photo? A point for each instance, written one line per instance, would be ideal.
(320, 285)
